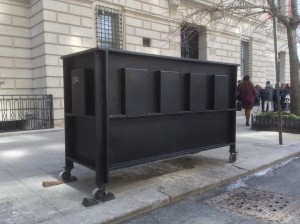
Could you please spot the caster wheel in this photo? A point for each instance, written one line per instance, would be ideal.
(65, 175)
(98, 194)
(232, 157)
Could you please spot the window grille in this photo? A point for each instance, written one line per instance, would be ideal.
(246, 58)
(189, 42)
(109, 27)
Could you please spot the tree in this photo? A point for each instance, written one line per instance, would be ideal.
(227, 14)
(291, 23)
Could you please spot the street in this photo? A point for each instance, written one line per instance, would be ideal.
(270, 196)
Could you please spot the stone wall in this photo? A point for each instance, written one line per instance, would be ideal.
(34, 34)
(58, 28)
(15, 48)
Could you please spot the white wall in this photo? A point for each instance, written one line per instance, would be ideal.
(34, 34)
(15, 48)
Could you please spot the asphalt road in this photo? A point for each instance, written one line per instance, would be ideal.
(270, 196)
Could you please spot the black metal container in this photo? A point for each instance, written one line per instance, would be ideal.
(124, 108)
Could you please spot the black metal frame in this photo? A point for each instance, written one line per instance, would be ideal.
(124, 108)
(26, 112)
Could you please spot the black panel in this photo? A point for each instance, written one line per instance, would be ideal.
(69, 64)
(81, 139)
(82, 92)
(197, 93)
(211, 92)
(169, 92)
(221, 92)
(78, 92)
(118, 60)
(135, 139)
(135, 92)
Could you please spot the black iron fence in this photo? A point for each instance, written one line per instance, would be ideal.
(26, 112)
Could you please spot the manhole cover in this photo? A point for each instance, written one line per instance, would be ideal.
(262, 204)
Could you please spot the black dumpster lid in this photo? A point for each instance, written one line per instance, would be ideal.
(142, 54)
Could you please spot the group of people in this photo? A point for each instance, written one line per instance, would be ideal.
(251, 95)
(268, 97)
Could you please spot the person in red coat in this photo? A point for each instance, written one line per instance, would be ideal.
(247, 95)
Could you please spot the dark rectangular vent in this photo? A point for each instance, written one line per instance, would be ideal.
(146, 42)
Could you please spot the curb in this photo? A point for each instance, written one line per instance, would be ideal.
(203, 189)
(39, 131)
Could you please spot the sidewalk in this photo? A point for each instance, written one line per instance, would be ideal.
(27, 159)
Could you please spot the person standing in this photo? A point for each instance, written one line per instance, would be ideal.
(247, 95)
(239, 83)
(275, 104)
(258, 91)
(268, 96)
(287, 92)
(282, 95)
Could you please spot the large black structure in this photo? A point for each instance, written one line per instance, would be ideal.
(124, 108)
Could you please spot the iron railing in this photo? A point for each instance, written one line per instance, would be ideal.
(25, 112)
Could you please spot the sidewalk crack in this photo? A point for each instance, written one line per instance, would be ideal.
(169, 196)
(241, 168)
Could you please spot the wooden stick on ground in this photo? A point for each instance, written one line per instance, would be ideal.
(50, 183)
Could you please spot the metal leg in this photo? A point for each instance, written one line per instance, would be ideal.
(66, 174)
(69, 165)
(232, 156)
(99, 195)
(232, 148)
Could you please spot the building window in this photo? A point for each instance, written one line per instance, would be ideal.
(281, 65)
(189, 42)
(109, 27)
(245, 58)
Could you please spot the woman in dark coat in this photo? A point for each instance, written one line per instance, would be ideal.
(247, 95)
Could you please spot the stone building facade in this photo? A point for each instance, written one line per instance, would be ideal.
(34, 34)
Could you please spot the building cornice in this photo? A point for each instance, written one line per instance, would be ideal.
(16, 2)
(173, 4)
(202, 2)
